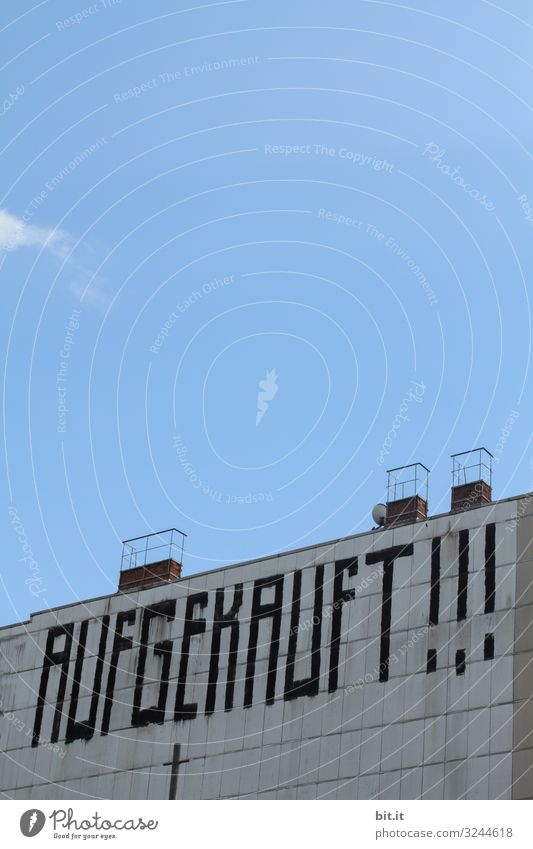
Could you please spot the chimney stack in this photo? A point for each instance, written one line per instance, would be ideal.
(150, 560)
(471, 479)
(407, 494)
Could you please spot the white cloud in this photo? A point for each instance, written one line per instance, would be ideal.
(86, 286)
(16, 233)
(91, 290)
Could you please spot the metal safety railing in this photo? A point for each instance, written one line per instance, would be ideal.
(471, 466)
(151, 548)
(407, 481)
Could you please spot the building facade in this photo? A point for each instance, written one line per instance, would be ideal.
(395, 664)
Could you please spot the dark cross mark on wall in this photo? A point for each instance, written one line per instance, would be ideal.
(175, 764)
(162, 649)
(53, 658)
(192, 627)
(305, 686)
(84, 730)
(120, 644)
(490, 567)
(462, 581)
(387, 556)
(263, 611)
(224, 620)
(340, 597)
(434, 597)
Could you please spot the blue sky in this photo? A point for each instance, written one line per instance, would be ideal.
(253, 254)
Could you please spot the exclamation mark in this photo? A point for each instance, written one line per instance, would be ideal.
(434, 599)
(435, 582)
(490, 585)
(462, 583)
(462, 591)
(490, 567)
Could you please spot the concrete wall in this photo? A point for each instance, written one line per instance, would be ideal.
(523, 659)
(435, 735)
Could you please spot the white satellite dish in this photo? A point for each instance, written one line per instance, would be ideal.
(379, 513)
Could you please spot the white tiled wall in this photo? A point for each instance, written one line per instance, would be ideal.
(434, 736)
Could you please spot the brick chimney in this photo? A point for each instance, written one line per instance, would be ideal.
(407, 490)
(149, 575)
(151, 560)
(471, 479)
(406, 510)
